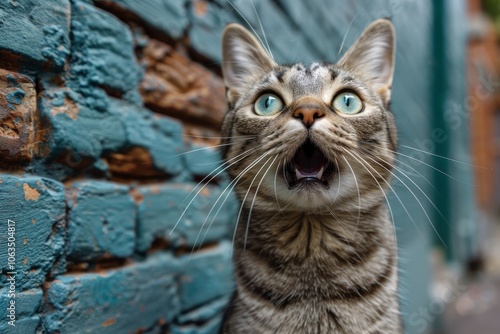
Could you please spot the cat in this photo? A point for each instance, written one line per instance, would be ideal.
(310, 150)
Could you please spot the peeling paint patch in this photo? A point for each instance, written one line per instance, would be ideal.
(30, 194)
(109, 322)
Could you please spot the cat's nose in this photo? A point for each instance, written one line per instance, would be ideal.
(308, 114)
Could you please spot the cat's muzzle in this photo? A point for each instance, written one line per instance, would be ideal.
(309, 167)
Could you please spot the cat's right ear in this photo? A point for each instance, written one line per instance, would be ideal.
(244, 60)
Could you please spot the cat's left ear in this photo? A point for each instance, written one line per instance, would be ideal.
(372, 57)
(244, 60)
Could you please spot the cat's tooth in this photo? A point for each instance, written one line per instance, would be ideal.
(297, 174)
(319, 174)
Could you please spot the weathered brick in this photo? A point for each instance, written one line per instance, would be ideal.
(206, 275)
(161, 136)
(101, 220)
(78, 133)
(128, 136)
(37, 207)
(102, 54)
(17, 114)
(161, 206)
(34, 34)
(27, 304)
(178, 87)
(168, 17)
(126, 300)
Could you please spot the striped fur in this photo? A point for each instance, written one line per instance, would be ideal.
(312, 259)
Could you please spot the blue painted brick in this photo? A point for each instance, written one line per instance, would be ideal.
(102, 53)
(206, 319)
(166, 16)
(202, 160)
(80, 134)
(205, 312)
(206, 275)
(126, 300)
(210, 327)
(160, 135)
(37, 207)
(161, 206)
(101, 220)
(207, 23)
(27, 303)
(36, 32)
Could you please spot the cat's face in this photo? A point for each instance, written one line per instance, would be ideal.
(310, 137)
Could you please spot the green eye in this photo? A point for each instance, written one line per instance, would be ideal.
(348, 103)
(267, 105)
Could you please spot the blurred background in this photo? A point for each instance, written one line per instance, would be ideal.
(109, 124)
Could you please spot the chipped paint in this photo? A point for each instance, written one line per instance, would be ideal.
(30, 194)
(109, 322)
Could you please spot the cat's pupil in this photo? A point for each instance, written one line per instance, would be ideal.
(268, 102)
(347, 100)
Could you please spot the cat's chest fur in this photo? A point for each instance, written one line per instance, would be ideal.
(317, 277)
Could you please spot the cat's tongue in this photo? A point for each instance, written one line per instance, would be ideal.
(309, 162)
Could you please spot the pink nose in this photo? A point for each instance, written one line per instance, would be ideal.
(308, 114)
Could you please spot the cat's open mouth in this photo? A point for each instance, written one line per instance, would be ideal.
(309, 165)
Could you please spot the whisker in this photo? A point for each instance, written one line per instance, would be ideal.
(249, 151)
(416, 185)
(357, 188)
(232, 184)
(190, 202)
(255, 196)
(262, 29)
(446, 158)
(251, 27)
(246, 195)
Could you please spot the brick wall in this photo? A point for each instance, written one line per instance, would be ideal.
(109, 113)
(103, 119)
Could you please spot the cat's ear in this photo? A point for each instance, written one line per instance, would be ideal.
(244, 60)
(372, 56)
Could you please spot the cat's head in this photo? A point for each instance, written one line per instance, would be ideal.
(308, 137)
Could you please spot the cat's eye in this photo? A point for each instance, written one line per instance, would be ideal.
(347, 103)
(268, 105)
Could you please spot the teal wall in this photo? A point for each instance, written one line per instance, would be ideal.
(97, 253)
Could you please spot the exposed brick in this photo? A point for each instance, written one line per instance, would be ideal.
(178, 87)
(208, 268)
(27, 304)
(102, 55)
(34, 34)
(126, 300)
(17, 115)
(101, 220)
(168, 17)
(37, 207)
(161, 206)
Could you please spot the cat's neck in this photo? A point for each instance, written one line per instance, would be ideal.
(300, 237)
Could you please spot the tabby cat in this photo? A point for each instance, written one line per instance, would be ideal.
(310, 150)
